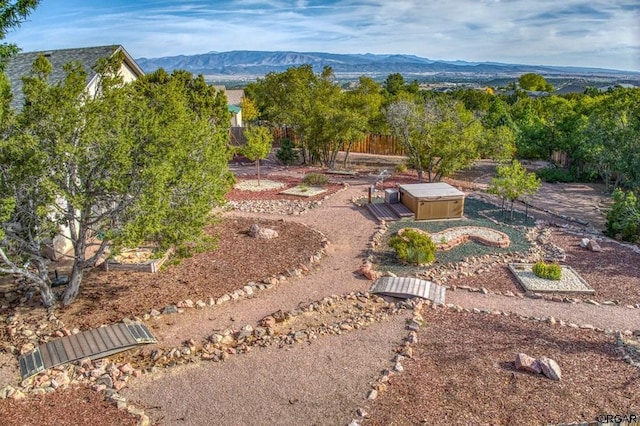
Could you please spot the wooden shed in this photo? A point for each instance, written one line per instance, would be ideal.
(432, 200)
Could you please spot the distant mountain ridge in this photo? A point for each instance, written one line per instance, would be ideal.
(259, 63)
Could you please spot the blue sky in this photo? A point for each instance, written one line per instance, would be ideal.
(550, 32)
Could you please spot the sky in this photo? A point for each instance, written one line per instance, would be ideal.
(594, 33)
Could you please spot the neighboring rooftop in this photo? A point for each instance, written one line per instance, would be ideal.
(20, 65)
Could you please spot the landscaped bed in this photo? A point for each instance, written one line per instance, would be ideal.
(111, 296)
(477, 214)
(272, 192)
(463, 373)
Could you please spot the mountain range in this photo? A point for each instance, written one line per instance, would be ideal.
(251, 64)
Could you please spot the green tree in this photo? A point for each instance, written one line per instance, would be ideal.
(439, 135)
(512, 182)
(610, 139)
(249, 110)
(394, 84)
(324, 118)
(139, 162)
(12, 14)
(534, 82)
(623, 220)
(259, 142)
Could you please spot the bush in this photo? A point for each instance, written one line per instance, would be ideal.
(414, 247)
(315, 179)
(623, 220)
(548, 271)
(555, 174)
(401, 167)
(286, 154)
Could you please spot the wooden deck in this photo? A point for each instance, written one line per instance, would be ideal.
(382, 211)
(401, 210)
(93, 344)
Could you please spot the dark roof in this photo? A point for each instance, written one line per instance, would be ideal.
(20, 65)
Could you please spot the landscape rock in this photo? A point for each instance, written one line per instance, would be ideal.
(584, 242)
(550, 368)
(266, 233)
(527, 363)
(171, 309)
(594, 246)
(367, 272)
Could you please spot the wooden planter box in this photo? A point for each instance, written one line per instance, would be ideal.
(152, 265)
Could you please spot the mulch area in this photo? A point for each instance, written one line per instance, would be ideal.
(108, 297)
(463, 373)
(70, 407)
(614, 273)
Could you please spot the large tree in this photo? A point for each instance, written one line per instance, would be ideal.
(325, 119)
(439, 135)
(535, 82)
(138, 162)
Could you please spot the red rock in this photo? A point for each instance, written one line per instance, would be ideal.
(126, 368)
(526, 363)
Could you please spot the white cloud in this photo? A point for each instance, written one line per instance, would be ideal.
(568, 32)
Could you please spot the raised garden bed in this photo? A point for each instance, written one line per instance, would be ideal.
(137, 260)
(570, 282)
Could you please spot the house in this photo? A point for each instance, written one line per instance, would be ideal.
(234, 102)
(20, 66)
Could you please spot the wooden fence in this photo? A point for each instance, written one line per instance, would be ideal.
(372, 144)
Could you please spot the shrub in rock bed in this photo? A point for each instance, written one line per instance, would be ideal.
(287, 154)
(315, 179)
(548, 271)
(414, 247)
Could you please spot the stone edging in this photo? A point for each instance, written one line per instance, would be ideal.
(468, 233)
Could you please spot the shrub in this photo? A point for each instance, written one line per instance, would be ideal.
(414, 247)
(286, 154)
(401, 168)
(623, 220)
(548, 271)
(555, 174)
(315, 179)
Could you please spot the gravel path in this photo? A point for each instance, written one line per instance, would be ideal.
(325, 381)
(321, 383)
(605, 317)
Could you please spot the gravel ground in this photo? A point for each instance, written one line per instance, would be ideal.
(321, 383)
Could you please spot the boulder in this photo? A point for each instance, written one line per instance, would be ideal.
(593, 245)
(369, 273)
(526, 363)
(257, 232)
(584, 242)
(550, 368)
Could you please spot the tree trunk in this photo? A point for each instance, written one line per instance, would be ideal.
(420, 175)
(73, 288)
(44, 285)
(258, 170)
(346, 154)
